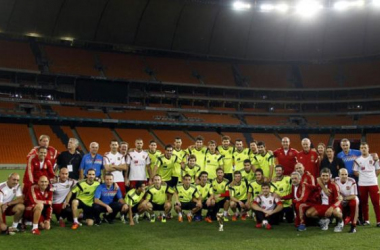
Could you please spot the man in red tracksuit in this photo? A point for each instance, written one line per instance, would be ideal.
(328, 203)
(309, 158)
(302, 195)
(306, 177)
(52, 153)
(39, 205)
(37, 166)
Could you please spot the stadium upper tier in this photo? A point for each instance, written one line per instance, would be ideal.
(64, 60)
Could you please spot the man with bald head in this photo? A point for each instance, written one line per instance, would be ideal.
(39, 205)
(306, 177)
(308, 158)
(11, 202)
(286, 156)
(350, 203)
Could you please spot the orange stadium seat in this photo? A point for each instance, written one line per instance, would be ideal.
(207, 136)
(17, 55)
(214, 73)
(319, 76)
(71, 61)
(130, 136)
(214, 118)
(266, 76)
(68, 132)
(369, 120)
(15, 143)
(171, 70)
(317, 138)
(272, 142)
(295, 140)
(138, 115)
(265, 120)
(68, 111)
(234, 137)
(330, 120)
(361, 74)
(54, 140)
(373, 141)
(103, 136)
(168, 137)
(348, 136)
(123, 66)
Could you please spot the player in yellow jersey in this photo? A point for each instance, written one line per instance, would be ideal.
(187, 197)
(213, 160)
(181, 154)
(254, 187)
(283, 186)
(238, 196)
(207, 195)
(221, 194)
(248, 173)
(133, 203)
(199, 151)
(264, 160)
(153, 155)
(156, 199)
(240, 154)
(165, 165)
(254, 151)
(227, 151)
(192, 169)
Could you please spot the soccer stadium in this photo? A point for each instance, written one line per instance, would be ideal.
(188, 124)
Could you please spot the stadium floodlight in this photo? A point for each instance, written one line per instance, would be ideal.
(308, 8)
(266, 7)
(343, 5)
(32, 34)
(282, 7)
(238, 5)
(67, 38)
(376, 3)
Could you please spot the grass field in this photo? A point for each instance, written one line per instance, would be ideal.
(195, 235)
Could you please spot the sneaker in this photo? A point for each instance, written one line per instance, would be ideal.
(198, 218)
(75, 226)
(153, 218)
(122, 218)
(225, 219)
(36, 231)
(259, 225)
(366, 223)
(301, 228)
(325, 224)
(268, 227)
(21, 227)
(180, 219)
(169, 216)
(189, 217)
(244, 217)
(97, 222)
(352, 230)
(338, 228)
(234, 218)
(325, 227)
(136, 218)
(378, 224)
(62, 223)
(208, 220)
(163, 218)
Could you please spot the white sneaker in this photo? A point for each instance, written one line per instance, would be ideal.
(122, 218)
(325, 224)
(338, 229)
(136, 218)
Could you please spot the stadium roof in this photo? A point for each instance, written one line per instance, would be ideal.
(199, 27)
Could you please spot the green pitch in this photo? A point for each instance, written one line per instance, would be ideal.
(195, 235)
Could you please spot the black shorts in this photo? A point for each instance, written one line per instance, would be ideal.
(173, 182)
(204, 205)
(238, 205)
(158, 207)
(88, 212)
(135, 209)
(228, 177)
(188, 205)
(220, 204)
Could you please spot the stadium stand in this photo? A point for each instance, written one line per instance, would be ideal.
(130, 135)
(54, 140)
(320, 76)
(265, 120)
(361, 73)
(373, 141)
(14, 136)
(369, 120)
(17, 55)
(72, 61)
(68, 111)
(213, 118)
(171, 70)
(266, 76)
(168, 137)
(350, 136)
(214, 73)
(138, 115)
(329, 120)
(295, 140)
(118, 65)
(272, 142)
(207, 136)
(103, 136)
(317, 138)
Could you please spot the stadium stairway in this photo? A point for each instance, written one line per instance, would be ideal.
(117, 136)
(156, 138)
(248, 138)
(41, 61)
(84, 148)
(60, 134)
(32, 134)
(189, 135)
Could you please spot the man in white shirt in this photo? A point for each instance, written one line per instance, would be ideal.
(61, 207)
(367, 169)
(114, 163)
(350, 203)
(138, 164)
(11, 202)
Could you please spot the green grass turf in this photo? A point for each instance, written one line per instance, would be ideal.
(195, 235)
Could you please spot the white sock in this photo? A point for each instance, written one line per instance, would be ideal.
(15, 224)
(180, 214)
(35, 226)
(76, 220)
